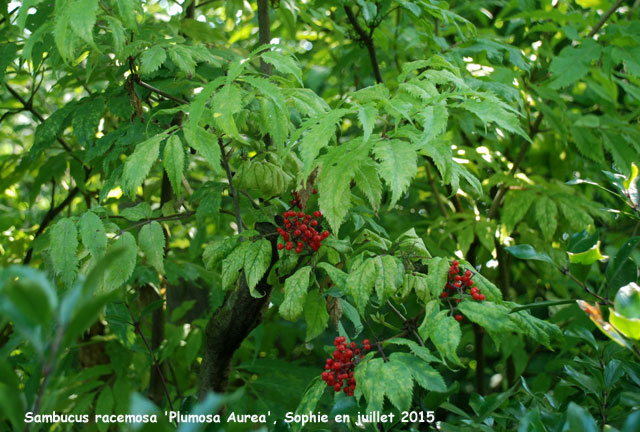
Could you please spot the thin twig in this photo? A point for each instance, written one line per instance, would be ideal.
(232, 190)
(29, 107)
(434, 189)
(604, 18)
(160, 92)
(367, 40)
(172, 217)
(533, 130)
(136, 326)
(48, 218)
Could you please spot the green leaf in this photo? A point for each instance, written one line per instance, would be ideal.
(233, 263)
(104, 406)
(256, 262)
(630, 327)
(515, 207)
(368, 182)
(173, 162)
(226, 102)
(182, 58)
(367, 115)
(122, 268)
(371, 381)
(64, 39)
(587, 257)
(398, 166)
(127, 9)
(322, 130)
(572, 64)
(93, 234)
(82, 17)
(283, 63)
(376, 378)
(410, 241)
(546, 214)
(627, 301)
(152, 59)
(438, 275)
(309, 400)
(440, 152)
(151, 240)
(490, 109)
(315, 314)
(434, 123)
(432, 308)
(417, 350)
(446, 335)
(337, 276)
(426, 376)
(137, 212)
(214, 252)
(295, 292)
(339, 166)
(274, 111)
(137, 166)
(493, 317)
(527, 252)
(7, 56)
(86, 120)
(360, 283)
(616, 265)
(64, 244)
(579, 419)
(389, 271)
(206, 144)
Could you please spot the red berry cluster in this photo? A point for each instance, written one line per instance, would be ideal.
(339, 369)
(301, 229)
(460, 282)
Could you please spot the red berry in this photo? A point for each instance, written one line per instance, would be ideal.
(444, 294)
(468, 273)
(289, 245)
(314, 223)
(301, 215)
(455, 263)
(469, 282)
(317, 214)
(458, 317)
(314, 191)
(481, 297)
(337, 387)
(297, 233)
(473, 291)
(365, 342)
(280, 246)
(298, 249)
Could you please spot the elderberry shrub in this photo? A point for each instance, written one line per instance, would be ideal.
(460, 282)
(301, 230)
(339, 368)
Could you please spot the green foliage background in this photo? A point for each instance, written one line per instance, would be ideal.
(149, 149)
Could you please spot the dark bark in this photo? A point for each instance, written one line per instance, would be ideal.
(232, 323)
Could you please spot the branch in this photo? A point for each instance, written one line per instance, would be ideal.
(604, 18)
(29, 107)
(232, 190)
(48, 218)
(264, 32)
(160, 92)
(136, 326)
(367, 40)
(533, 130)
(172, 217)
(434, 189)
